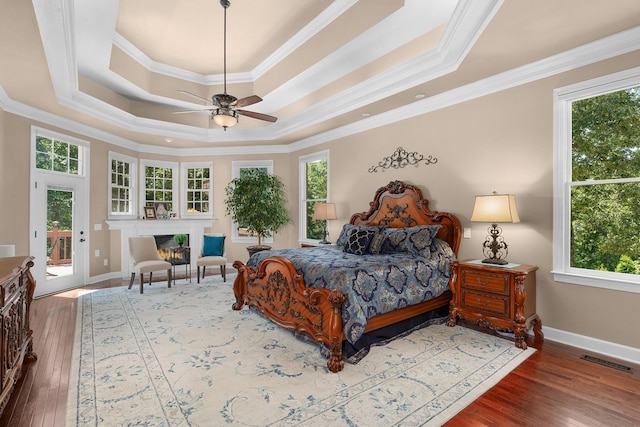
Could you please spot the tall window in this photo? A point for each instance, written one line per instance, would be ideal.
(197, 190)
(597, 184)
(238, 169)
(314, 188)
(57, 155)
(122, 185)
(160, 186)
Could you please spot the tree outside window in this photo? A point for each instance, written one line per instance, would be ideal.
(314, 188)
(605, 182)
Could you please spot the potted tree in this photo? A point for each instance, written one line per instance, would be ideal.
(256, 201)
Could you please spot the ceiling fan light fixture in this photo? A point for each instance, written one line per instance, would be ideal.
(226, 108)
(225, 117)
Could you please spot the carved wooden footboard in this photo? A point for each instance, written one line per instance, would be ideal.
(279, 292)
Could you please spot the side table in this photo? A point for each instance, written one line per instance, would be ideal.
(181, 255)
(495, 297)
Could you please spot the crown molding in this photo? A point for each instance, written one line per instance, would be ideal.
(599, 50)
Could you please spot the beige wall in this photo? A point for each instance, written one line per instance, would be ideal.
(501, 142)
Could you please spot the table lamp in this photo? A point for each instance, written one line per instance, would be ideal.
(495, 208)
(324, 212)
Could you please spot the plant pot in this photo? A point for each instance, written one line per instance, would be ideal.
(255, 248)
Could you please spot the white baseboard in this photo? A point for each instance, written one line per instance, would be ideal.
(618, 351)
(102, 277)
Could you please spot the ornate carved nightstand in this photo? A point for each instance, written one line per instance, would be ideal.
(496, 297)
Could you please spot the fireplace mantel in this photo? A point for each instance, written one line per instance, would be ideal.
(140, 227)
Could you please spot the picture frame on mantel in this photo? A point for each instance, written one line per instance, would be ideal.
(149, 212)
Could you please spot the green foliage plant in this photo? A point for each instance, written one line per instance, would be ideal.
(626, 265)
(257, 201)
(180, 238)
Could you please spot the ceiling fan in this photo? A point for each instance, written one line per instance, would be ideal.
(224, 107)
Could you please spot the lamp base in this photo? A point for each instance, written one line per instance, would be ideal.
(495, 261)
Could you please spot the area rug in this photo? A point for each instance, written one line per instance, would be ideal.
(183, 357)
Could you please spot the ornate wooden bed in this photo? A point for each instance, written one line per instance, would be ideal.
(277, 290)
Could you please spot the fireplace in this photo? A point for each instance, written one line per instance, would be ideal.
(164, 243)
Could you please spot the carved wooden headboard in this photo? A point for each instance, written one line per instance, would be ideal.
(399, 204)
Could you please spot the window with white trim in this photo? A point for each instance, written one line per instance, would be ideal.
(314, 188)
(122, 185)
(159, 184)
(239, 233)
(197, 190)
(54, 153)
(597, 182)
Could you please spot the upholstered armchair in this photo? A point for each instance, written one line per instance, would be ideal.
(213, 253)
(146, 259)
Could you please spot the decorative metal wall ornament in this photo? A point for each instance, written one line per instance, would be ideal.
(401, 158)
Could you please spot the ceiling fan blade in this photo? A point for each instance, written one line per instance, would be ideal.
(258, 116)
(195, 96)
(249, 100)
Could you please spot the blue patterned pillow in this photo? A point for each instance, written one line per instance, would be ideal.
(375, 245)
(344, 234)
(347, 229)
(358, 241)
(412, 240)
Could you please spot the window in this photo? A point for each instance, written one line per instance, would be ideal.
(597, 183)
(159, 184)
(122, 185)
(54, 153)
(314, 188)
(197, 190)
(238, 232)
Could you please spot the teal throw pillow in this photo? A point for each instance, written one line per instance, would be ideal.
(213, 246)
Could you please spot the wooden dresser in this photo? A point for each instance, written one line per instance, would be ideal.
(495, 297)
(16, 346)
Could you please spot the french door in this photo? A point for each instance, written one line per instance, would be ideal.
(59, 216)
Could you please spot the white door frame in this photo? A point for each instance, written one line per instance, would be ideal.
(41, 182)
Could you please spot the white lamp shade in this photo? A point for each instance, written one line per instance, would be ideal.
(495, 208)
(325, 211)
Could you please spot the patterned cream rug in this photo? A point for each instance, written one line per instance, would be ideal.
(183, 357)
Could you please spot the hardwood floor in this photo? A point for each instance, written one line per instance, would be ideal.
(554, 387)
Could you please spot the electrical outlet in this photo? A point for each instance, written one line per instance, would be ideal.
(466, 233)
(97, 253)
(106, 261)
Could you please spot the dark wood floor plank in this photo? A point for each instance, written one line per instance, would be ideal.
(552, 387)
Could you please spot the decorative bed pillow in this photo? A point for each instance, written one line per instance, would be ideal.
(213, 246)
(344, 234)
(413, 240)
(419, 239)
(375, 245)
(358, 241)
(347, 229)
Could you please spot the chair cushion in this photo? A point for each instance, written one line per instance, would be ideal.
(211, 260)
(149, 266)
(213, 246)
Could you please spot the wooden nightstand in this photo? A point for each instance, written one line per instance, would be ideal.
(495, 297)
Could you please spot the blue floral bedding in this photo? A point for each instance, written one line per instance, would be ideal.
(371, 284)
